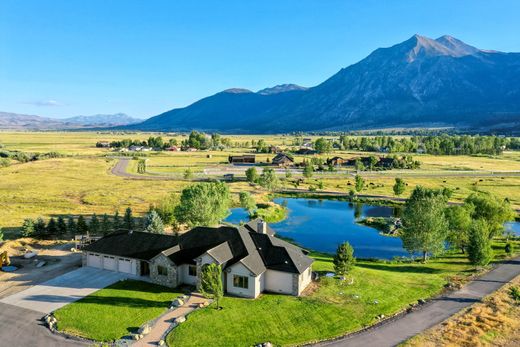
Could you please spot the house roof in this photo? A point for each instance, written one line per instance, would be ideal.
(282, 157)
(226, 244)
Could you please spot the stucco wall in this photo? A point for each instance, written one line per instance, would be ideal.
(183, 275)
(171, 279)
(304, 279)
(279, 282)
(253, 289)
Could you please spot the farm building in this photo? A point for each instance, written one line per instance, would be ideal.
(282, 159)
(242, 159)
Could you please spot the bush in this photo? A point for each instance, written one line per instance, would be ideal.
(514, 293)
(509, 248)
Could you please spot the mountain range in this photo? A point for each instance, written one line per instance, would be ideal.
(420, 82)
(16, 121)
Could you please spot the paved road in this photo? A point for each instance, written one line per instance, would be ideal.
(396, 331)
(58, 292)
(22, 327)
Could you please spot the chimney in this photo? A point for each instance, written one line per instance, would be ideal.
(261, 227)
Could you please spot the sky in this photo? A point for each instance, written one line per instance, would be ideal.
(62, 58)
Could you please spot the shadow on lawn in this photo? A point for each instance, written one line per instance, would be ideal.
(124, 301)
(396, 268)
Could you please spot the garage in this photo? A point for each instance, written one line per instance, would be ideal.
(94, 260)
(109, 263)
(126, 266)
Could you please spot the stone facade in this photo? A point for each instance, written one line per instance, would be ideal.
(170, 280)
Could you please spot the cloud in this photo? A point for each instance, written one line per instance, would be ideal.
(44, 103)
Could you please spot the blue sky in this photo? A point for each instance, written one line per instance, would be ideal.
(63, 58)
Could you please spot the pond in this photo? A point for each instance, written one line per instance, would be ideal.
(321, 225)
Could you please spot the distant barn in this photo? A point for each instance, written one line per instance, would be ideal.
(282, 159)
(336, 161)
(242, 159)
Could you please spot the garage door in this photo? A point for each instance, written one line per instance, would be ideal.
(94, 260)
(109, 263)
(126, 266)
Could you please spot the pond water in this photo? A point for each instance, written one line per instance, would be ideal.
(323, 224)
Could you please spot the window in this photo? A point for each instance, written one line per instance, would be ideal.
(162, 270)
(240, 281)
(192, 270)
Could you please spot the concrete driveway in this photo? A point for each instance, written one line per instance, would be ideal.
(69, 287)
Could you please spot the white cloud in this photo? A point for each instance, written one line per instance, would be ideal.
(44, 103)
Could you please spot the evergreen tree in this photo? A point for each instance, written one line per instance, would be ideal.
(52, 227)
(211, 282)
(116, 222)
(62, 226)
(399, 186)
(28, 227)
(81, 226)
(153, 223)
(344, 259)
(128, 220)
(308, 169)
(93, 225)
(106, 226)
(360, 183)
(1, 236)
(71, 226)
(479, 248)
(40, 228)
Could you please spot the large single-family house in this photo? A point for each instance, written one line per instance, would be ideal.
(282, 159)
(253, 260)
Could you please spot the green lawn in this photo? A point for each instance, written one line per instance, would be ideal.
(330, 311)
(115, 311)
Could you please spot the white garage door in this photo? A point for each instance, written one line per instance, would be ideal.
(109, 263)
(126, 266)
(94, 260)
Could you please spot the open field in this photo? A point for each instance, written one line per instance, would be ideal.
(82, 183)
(493, 322)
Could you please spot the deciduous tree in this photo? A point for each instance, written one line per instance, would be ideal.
(399, 186)
(211, 282)
(479, 248)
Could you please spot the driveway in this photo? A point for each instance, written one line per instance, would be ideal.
(58, 292)
(394, 332)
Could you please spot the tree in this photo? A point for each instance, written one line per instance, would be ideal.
(358, 164)
(459, 223)
(479, 248)
(52, 227)
(308, 169)
(93, 225)
(344, 259)
(106, 226)
(203, 204)
(39, 227)
(128, 220)
(399, 186)
(71, 225)
(322, 145)
(154, 223)
(211, 282)
(28, 227)
(424, 223)
(116, 222)
(188, 174)
(372, 162)
(268, 179)
(491, 209)
(247, 202)
(61, 226)
(81, 226)
(360, 183)
(1, 236)
(252, 175)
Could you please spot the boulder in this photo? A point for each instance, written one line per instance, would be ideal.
(145, 329)
(177, 302)
(161, 343)
(375, 302)
(135, 337)
(180, 320)
(421, 301)
(41, 263)
(29, 255)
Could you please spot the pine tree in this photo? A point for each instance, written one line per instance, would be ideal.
(71, 226)
(106, 226)
(116, 222)
(344, 259)
(39, 227)
(211, 282)
(128, 220)
(81, 226)
(1, 236)
(360, 183)
(61, 226)
(153, 223)
(52, 227)
(93, 226)
(28, 227)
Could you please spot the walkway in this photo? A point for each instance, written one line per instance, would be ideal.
(164, 323)
(398, 330)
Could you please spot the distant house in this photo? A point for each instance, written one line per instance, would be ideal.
(191, 149)
(146, 149)
(103, 144)
(306, 151)
(173, 149)
(282, 159)
(336, 161)
(135, 148)
(252, 259)
(307, 142)
(275, 149)
(241, 159)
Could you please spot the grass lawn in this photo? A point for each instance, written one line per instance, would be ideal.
(332, 310)
(115, 311)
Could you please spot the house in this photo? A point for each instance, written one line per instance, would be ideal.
(306, 151)
(252, 259)
(135, 148)
(282, 159)
(103, 144)
(173, 149)
(275, 149)
(336, 161)
(241, 159)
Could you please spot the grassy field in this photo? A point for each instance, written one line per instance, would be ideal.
(332, 309)
(115, 311)
(81, 183)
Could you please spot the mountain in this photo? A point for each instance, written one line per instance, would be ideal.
(420, 82)
(14, 121)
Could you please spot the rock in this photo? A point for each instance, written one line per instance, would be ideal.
(342, 278)
(375, 302)
(382, 316)
(180, 320)
(161, 343)
(355, 296)
(135, 337)
(177, 302)
(268, 344)
(205, 303)
(29, 255)
(41, 263)
(145, 329)
(421, 301)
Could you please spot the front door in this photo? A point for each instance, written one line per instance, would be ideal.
(145, 268)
